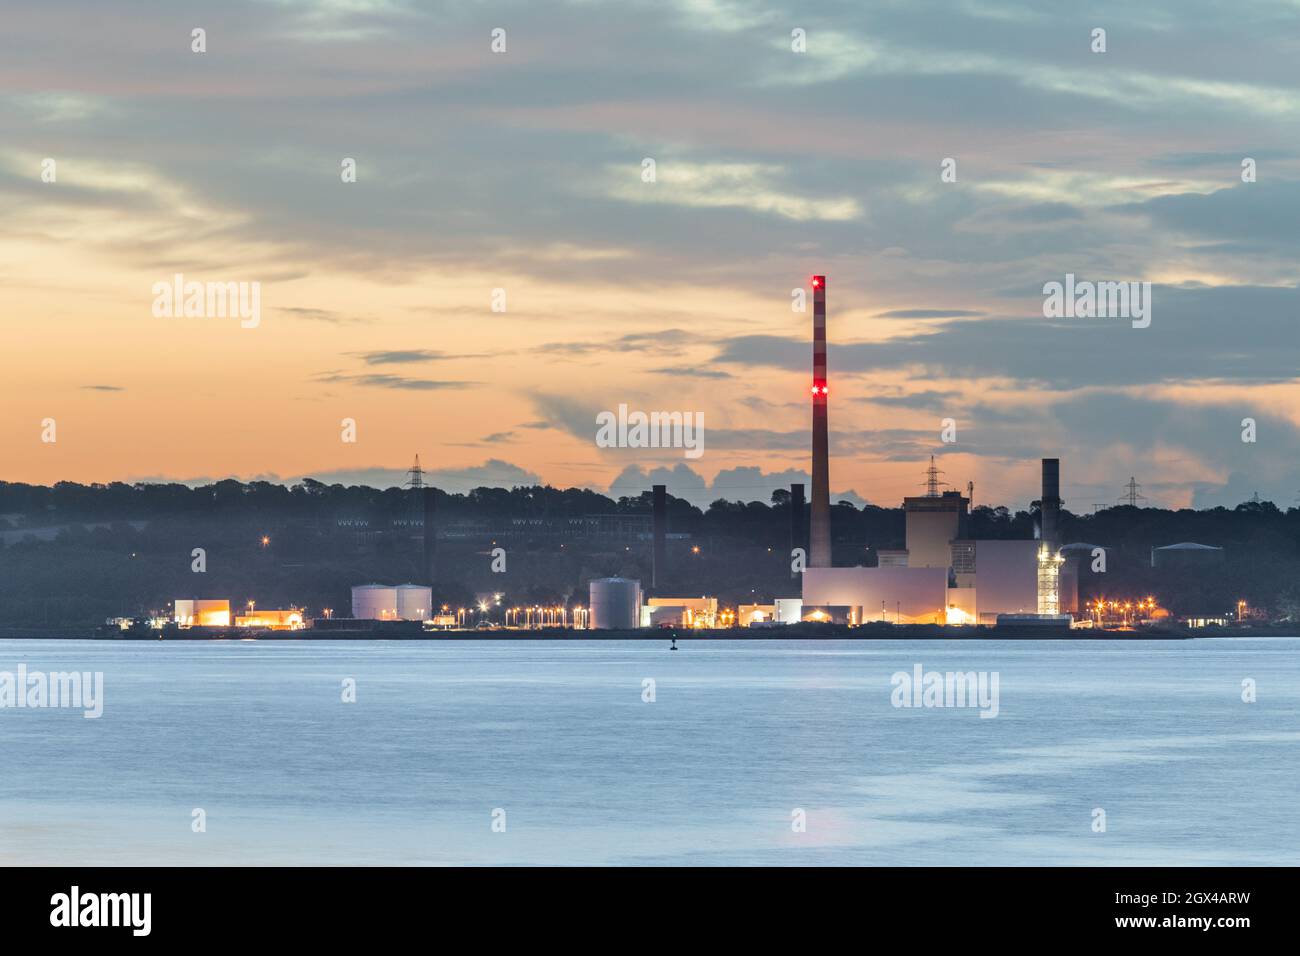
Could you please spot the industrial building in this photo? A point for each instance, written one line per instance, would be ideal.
(382, 602)
(858, 595)
(289, 619)
(748, 614)
(201, 613)
(934, 522)
(680, 612)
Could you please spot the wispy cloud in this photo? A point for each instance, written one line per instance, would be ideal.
(411, 356)
(755, 187)
(382, 380)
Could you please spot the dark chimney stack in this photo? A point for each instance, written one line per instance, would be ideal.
(798, 539)
(1050, 508)
(430, 534)
(659, 571)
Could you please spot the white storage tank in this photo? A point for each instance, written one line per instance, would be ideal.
(414, 602)
(374, 602)
(615, 603)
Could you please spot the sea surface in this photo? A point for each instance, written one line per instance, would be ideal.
(555, 743)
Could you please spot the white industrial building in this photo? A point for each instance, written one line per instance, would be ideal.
(615, 604)
(202, 613)
(857, 595)
(680, 612)
(384, 602)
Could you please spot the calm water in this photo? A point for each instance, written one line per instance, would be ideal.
(740, 734)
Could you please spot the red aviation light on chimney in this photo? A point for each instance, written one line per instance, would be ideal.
(819, 388)
(818, 282)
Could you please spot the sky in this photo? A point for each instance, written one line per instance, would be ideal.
(518, 179)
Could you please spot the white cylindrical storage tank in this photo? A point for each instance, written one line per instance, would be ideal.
(374, 602)
(414, 602)
(615, 603)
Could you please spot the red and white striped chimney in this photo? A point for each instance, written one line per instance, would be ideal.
(819, 532)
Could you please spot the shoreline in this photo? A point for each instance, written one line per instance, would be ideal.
(792, 632)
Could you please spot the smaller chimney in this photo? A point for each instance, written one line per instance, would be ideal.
(798, 539)
(430, 533)
(659, 570)
(1050, 508)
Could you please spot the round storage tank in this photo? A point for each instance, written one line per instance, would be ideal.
(414, 602)
(374, 602)
(615, 603)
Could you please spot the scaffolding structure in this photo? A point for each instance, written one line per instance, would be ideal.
(1049, 581)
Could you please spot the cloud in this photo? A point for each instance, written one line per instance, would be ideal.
(1259, 215)
(691, 372)
(750, 186)
(318, 315)
(382, 380)
(409, 356)
(743, 483)
(104, 388)
(929, 313)
(660, 342)
(1228, 334)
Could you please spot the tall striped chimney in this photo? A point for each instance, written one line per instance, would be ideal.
(819, 532)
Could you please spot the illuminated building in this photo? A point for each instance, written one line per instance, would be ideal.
(680, 612)
(202, 613)
(286, 620)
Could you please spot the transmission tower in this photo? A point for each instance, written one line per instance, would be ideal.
(415, 476)
(932, 481)
(1131, 496)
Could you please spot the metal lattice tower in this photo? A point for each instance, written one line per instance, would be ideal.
(415, 476)
(932, 481)
(1131, 495)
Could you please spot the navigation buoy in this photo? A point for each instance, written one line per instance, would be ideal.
(674, 647)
